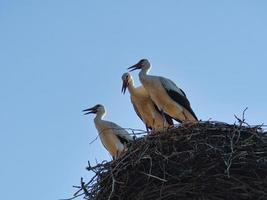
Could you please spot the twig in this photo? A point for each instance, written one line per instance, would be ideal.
(197, 159)
(84, 188)
(242, 121)
(94, 140)
(150, 175)
(113, 187)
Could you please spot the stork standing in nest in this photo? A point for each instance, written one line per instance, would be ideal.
(169, 98)
(144, 107)
(113, 137)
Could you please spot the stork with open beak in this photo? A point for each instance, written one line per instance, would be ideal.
(169, 98)
(113, 137)
(144, 107)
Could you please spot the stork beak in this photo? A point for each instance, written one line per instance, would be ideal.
(89, 111)
(124, 86)
(134, 67)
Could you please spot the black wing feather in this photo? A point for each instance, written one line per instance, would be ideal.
(183, 101)
(177, 97)
(167, 117)
(182, 92)
(122, 140)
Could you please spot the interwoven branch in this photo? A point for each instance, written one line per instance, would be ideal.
(205, 160)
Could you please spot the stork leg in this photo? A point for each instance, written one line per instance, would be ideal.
(153, 127)
(164, 119)
(117, 153)
(147, 129)
(185, 117)
(170, 127)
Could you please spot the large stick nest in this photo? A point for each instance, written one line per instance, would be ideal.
(205, 160)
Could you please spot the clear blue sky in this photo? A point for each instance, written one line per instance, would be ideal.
(59, 57)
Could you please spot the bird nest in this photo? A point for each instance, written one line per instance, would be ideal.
(204, 160)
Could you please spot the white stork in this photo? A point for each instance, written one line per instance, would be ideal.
(113, 137)
(164, 92)
(144, 107)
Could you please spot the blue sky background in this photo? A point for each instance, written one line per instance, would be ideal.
(59, 57)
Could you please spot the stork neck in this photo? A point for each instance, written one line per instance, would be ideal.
(143, 74)
(144, 71)
(99, 116)
(131, 87)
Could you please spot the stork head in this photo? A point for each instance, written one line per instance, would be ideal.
(126, 80)
(143, 64)
(96, 109)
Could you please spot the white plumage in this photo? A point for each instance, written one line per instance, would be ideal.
(144, 107)
(113, 137)
(165, 93)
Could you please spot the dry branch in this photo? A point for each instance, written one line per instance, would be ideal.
(205, 160)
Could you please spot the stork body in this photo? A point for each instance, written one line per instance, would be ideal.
(144, 107)
(113, 137)
(165, 94)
